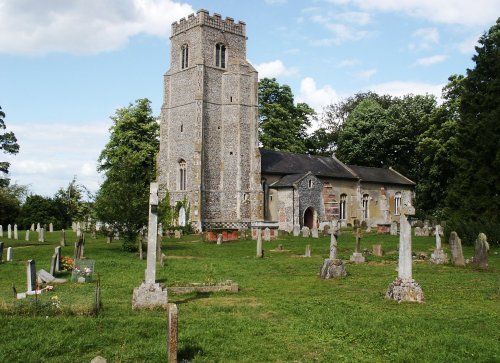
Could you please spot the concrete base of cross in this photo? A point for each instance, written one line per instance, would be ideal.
(149, 296)
(405, 290)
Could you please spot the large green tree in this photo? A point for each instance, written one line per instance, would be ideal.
(283, 124)
(128, 164)
(9, 145)
(75, 201)
(11, 198)
(40, 209)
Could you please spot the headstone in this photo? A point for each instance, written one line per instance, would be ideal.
(357, 256)
(425, 231)
(9, 231)
(53, 263)
(10, 253)
(32, 227)
(305, 231)
(78, 230)
(38, 227)
(108, 239)
(1, 251)
(31, 275)
(457, 256)
(83, 271)
(150, 294)
(296, 230)
(177, 233)
(481, 248)
(308, 251)
(1, 231)
(369, 229)
(418, 231)
(172, 333)
(259, 253)
(267, 234)
(242, 234)
(16, 237)
(57, 252)
(405, 288)
(73, 226)
(439, 256)
(62, 240)
(41, 235)
(314, 232)
(220, 238)
(160, 230)
(46, 277)
(326, 229)
(163, 258)
(377, 250)
(27, 235)
(394, 229)
(51, 227)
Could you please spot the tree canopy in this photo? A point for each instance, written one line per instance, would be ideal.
(9, 145)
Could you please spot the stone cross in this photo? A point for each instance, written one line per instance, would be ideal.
(438, 257)
(457, 256)
(333, 246)
(481, 248)
(9, 231)
(15, 232)
(27, 235)
(259, 243)
(172, 333)
(1, 251)
(357, 256)
(31, 275)
(10, 253)
(51, 227)
(405, 260)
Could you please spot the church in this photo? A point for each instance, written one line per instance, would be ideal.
(210, 159)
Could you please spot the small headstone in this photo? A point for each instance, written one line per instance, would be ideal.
(305, 231)
(9, 231)
(481, 248)
(32, 227)
(16, 237)
(332, 268)
(108, 239)
(1, 251)
(219, 238)
(326, 229)
(41, 235)
(296, 230)
(1, 231)
(163, 258)
(267, 234)
(38, 227)
(418, 232)
(369, 229)
(58, 253)
(51, 227)
(377, 250)
(425, 231)
(160, 230)
(314, 232)
(31, 275)
(73, 226)
(53, 263)
(10, 253)
(457, 256)
(172, 327)
(27, 235)
(177, 233)
(259, 243)
(280, 247)
(62, 240)
(308, 251)
(394, 229)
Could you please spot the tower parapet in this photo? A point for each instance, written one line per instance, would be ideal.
(203, 17)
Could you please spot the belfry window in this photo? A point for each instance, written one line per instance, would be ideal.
(397, 203)
(182, 175)
(342, 213)
(220, 55)
(184, 56)
(365, 206)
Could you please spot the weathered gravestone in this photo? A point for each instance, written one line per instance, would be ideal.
(220, 238)
(326, 229)
(314, 232)
(377, 250)
(172, 326)
(267, 234)
(16, 236)
(51, 227)
(305, 231)
(405, 288)
(38, 227)
(31, 276)
(150, 294)
(57, 252)
(48, 278)
(9, 231)
(357, 256)
(1, 231)
(296, 230)
(481, 248)
(242, 233)
(10, 253)
(177, 233)
(418, 232)
(394, 229)
(53, 263)
(1, 251)
(27, 235)
(160, 230)
(259, 253)
(32, 227)
(457, 256)
(308, 251)
(333, 267)
(62, 239)
(438, 256)
(41, 235)
(79, 247)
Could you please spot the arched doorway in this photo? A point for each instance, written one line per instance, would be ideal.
(309, 217)
(182, 217)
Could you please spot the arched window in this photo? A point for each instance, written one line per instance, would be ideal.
(365, 206)
(343, 198)
(182, 175)
(184, 56)
(397, 203)
(220, 55)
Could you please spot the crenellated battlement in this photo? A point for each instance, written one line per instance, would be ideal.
(202, 17)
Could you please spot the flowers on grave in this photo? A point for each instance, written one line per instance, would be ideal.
(49, 288)
(67, 263)
(56, 303)
(84, 271)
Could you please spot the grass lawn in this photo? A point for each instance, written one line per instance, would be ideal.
(283, 313)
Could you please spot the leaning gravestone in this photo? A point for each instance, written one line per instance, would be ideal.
(16, 237)
(357, 256)
(481, 248)
(405, 288)
(305, 231)
(10, 253)
(46, 277)
(332, 267)
(314, 232)
(296, 230)
(439, 256)
(57, 252)
(457, 256)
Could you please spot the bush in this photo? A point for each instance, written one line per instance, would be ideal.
(469, 230)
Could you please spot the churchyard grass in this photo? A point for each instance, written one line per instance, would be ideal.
(283, 313)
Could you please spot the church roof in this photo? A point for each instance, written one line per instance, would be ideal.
(288, 180)
(380, 175)
(279, 162)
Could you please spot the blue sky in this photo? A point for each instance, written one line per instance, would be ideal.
(66, 66)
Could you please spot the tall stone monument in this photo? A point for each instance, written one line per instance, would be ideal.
(405, 288)
(150, 294)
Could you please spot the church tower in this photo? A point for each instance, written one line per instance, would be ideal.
(209, 153)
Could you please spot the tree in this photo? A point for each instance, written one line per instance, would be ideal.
(9, 145)
(11, 198)
(128, 163)
(283, 124)
(74, 202)
(39, 209)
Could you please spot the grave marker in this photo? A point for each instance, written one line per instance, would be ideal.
(1, 231)
(357, 256)
(267, 234)
(31, 276)
(16, 236)
(51, 227)
(32, 227)
(314, 232)
(439, 256)
(53, 263)
(296, 230)
(10, 253)
(27, 235)
(377, 250)
(457, 256)
(172, 333)
(62, 239)
(57, 251)
(308, 251)
(1, 251)
(305, 231)
(259, 243)
(9, 232)
(333, 267)
(481, 248)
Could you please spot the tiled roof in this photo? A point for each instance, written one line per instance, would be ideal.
(380, 175)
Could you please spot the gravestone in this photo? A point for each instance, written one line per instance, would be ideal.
(305, 231)
(83, 271)
(1, 231)
(425, 231)
(481, 248)
(438, 256)
(62, 239)
(333, 267)
(1, 251)
(10, 253)
(326, 229)
(357, 256)
(16, 237)
(296, 230)
(27, 235)
(405, 288)
(369, 229)
(267, 234)
(172, 333)
(150, 294)
(32, 227)
(259, 243)
(38, 227)
(57, 251)
(73, 226)
(41, 235)
(418, 231)
(314, 232)
(46, 277)
(177, 233)
(31, 276)
(53, 263)
(78, 230)
(9, 231)
(163, 258)
(160, 230)
(377, 250)
(51, 227)
(79, 247)
(242, 233)
(457, 256)
(308, 251)
(108, 239)
(220, 238)
(394, 229)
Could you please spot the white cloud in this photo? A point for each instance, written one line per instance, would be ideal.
(425, 38)
(274, 69)
(478, 13)
(82, 26)
(341, 32)
(355, 17)
(315, 97)
(401, 88)
(348, 63)
(428, 61)
(467, 46)
(366, 74)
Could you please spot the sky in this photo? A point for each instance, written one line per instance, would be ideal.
(66, 66)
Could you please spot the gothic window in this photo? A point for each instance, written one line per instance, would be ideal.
(343, 198)
(365, 206)
(182, 175)
(184, 56)
(397, 203)
(220, 55)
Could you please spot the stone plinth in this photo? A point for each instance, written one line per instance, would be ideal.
(148, 296)
(357, 257)
(332, 268)
(439, 257)
(405, 290)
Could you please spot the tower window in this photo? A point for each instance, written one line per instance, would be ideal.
(343, 199)
(397, 203)
(310, 183)
(220, 55)
(184, 56)
(182, 175)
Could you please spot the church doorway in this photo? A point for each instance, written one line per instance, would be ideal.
(309, 217)
(182, 217)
